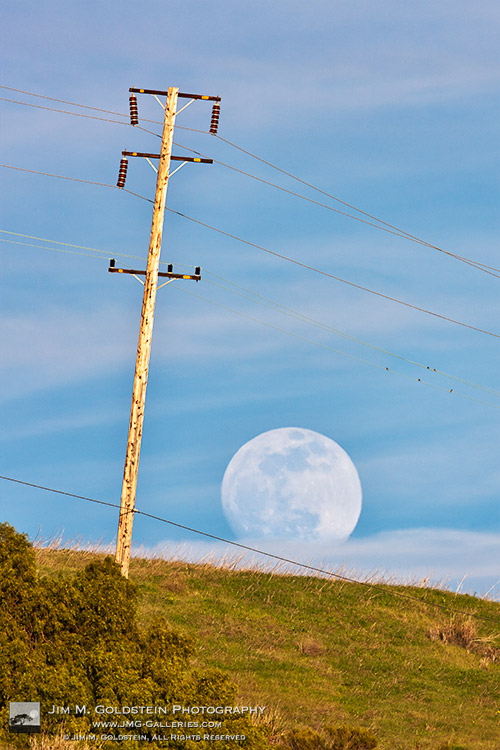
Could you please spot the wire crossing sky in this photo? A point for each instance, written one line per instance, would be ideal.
(354, 191)
(385, 226)
(304, 566)
(272, 252)
(259, 299)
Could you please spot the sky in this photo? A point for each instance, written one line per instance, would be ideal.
(391, 107)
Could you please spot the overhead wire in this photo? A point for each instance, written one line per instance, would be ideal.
(381, 224)
(95, 109)
(273, 305)
(267, 250)
(95, 250)
(62, 111)
(75, 179)
(270, 252)
(348, 205)
(344, 354)
(310, 341)
(94, 254)
(73, 104)
(330, 574)
(46, 247)
(387, 228)
(332, 276)
(237, 289)
(491, 270)
(59, 176)
(397, 231)
(78, 114)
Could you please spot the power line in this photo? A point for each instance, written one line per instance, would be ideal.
(73, 104)
(94, 250)
(349, 356)
(332, 276)
(280, 558)
(59, 176)
(381, 224)
(63, 111)
(299, 316)
(86, 106)
(273, 305)
(55, 249)
(89, 117)
(399, 231)
(386, 228)
(277, 307)
(270, 252)
(78, 114)
(74, 179)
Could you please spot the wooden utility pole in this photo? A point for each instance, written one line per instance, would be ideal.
(151, 274)
(126, 519)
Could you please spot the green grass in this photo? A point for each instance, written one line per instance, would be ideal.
(322, 653)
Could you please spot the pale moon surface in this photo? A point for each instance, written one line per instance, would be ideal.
(292, 483)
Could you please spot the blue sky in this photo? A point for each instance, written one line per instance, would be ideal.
(394, 109)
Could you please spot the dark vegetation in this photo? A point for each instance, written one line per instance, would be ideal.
(76, 640)
(339, 667)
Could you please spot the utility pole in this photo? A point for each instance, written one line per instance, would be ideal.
(131, 468)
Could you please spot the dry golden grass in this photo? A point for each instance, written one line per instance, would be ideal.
(76, 553)
(462, 631)
(58, 742)
(459, 631)
(322, 651)
(311, 647)
(273, 722)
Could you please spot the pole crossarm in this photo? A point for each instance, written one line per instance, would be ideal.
(180, 95)
(166, 274)
(147, 155)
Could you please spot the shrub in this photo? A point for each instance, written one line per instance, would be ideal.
(77, 641)
(332, 738)
(304, 738)
(351, 738)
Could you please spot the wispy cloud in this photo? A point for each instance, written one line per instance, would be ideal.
(56, 347)
(61, 424)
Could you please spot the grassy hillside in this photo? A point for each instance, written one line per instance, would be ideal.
(326, 653)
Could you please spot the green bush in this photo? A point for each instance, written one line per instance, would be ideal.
(332, 738)
(76, 641)
(351, 738)
(304, 738)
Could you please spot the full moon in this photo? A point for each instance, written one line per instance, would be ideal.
(292, 483)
